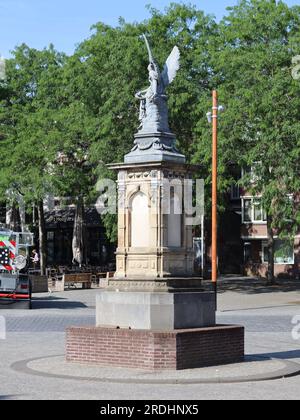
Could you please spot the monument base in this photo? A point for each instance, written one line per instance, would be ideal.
(144, 310)
(154, 147)
(156, 350)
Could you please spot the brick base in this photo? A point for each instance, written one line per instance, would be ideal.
(156, 350)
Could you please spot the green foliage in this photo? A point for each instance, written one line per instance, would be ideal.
(28, 133)
(251, 60)
(62, 119)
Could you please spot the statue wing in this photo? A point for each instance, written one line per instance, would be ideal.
(171, 67)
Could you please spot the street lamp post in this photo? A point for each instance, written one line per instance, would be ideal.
(214, 249)
(213, 117)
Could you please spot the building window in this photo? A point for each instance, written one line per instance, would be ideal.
(253, 211)
(50, 236)
(283, 252)
(247, 252)
(247, 213)
(235, 193)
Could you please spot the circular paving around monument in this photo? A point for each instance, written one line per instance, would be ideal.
(252, 370)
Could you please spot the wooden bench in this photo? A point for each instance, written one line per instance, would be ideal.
(84, 278)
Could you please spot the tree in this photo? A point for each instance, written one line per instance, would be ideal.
(251, 62)
(29, 134)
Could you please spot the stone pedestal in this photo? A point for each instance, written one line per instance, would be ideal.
(155, 310)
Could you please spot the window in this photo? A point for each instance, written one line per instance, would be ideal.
(257, 211)
(235, 192)
(247, 252)
(50, 236)
(253, 211)
(247, 211)
(283, 252)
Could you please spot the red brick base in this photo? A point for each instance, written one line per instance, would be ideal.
(156, 350)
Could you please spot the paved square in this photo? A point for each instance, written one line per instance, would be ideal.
(267, 315)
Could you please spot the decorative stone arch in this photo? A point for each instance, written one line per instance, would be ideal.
(139, 218)
(132, 192)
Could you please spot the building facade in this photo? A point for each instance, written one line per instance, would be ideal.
(98, 251)
(255, 246)
(59, 223)
(244, 227)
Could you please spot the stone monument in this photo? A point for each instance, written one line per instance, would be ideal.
(154, 313)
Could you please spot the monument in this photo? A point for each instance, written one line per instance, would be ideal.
(154, 313)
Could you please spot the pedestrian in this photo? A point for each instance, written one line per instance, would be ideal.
(35, 258)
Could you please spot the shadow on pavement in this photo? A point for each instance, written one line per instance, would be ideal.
(255, 286)
(9, 397)
(287, 355)
(55, 303)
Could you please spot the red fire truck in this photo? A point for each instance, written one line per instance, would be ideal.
(15, 288)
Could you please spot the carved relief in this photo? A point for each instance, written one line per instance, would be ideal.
(174, 175)
(139, 175)
(133, 265)
(143, 285)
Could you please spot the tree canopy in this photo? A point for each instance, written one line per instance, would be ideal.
(81, 110)
(252, 61)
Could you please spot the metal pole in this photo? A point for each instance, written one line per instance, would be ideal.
(214, 256)
(202, 245)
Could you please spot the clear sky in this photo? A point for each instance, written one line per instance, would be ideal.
(67, 22)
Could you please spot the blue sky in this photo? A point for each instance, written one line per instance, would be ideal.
(67, 22)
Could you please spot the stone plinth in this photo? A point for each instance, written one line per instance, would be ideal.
(154, 147)
(171, 284)
(155, 310)
(156, 350)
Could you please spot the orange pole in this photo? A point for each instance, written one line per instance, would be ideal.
(214, 250)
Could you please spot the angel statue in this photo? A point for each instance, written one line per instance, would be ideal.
(153, 107)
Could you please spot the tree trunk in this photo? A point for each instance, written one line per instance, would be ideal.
(22, 213)
(13, 217)
(42, 237)
(78, 234)
(271, 265)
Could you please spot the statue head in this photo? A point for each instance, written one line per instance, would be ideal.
(153, 67)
